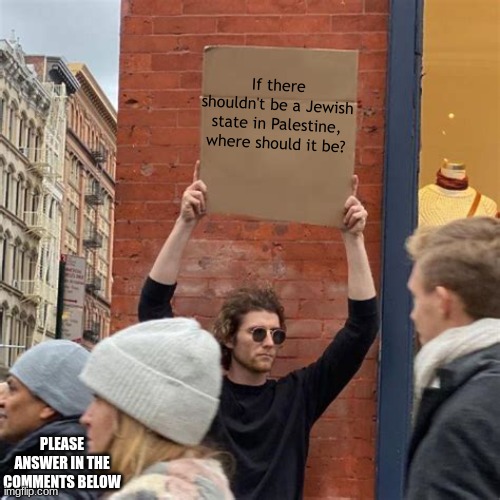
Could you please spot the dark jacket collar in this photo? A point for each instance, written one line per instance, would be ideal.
(67, 426)
(459, 371)
(451, 377)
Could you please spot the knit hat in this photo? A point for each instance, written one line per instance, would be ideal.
(164, 373)
(50, 371)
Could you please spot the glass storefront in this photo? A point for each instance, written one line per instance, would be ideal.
(448, 121)
(460, 128)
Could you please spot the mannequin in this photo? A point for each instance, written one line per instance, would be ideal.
(451, 198)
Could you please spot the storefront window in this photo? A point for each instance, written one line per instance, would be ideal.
(460, 154)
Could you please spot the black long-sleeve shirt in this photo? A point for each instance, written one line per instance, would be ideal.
(266, 428)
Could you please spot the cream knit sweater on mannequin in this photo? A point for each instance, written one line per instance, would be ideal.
(438, 205)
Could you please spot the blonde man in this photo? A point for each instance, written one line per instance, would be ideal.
(455, 283)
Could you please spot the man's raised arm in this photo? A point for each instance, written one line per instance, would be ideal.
(159, 286)
(327, 377)
(360, 285)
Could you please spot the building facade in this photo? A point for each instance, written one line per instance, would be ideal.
(88, 220)
(88, 199)
(33, 127)
(57, 165)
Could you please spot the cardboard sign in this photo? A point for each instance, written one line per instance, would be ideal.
(278, 132)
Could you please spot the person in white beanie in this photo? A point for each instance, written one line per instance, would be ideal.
(44, 398)
(157, 386)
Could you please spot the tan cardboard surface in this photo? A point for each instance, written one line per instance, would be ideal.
(258, 157)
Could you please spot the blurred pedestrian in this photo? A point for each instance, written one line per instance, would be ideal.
(455, 283)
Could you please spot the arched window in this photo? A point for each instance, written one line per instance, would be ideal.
(16, 254)
(23, 328)
(31, 139)
(3, 111)
(31, 329)
(3, 330)
(41, 270)
(38, 145)
(33, 258)
(12, 122)
(46, 203)
(14, 193)
(27, 200)
(3, 174)
(7, 257)
(75, 172)
(8, 193)
(22, 138)
(52, 209)
(14, 337)
(24, 263)
(35, 200)
(20, 193)
(3, 254)
(112, 167)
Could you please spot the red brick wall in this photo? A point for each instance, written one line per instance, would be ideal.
(158, 136)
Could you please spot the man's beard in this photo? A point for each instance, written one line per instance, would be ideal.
(253, 365)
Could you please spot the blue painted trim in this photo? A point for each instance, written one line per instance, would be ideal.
(399, 219)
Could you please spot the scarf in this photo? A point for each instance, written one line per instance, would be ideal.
(448, 346)
(452, 184)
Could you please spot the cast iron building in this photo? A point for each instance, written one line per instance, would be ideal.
(32, 139)
(57, 167)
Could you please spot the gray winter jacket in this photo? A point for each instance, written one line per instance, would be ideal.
(455, 448)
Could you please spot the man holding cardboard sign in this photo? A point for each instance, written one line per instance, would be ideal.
(265, 424)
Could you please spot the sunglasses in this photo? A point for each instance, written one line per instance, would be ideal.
(259, 333)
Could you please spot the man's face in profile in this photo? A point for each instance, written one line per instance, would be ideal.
(427, 312)
(21, 412)
(4, 389)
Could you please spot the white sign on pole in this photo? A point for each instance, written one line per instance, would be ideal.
(74, 297)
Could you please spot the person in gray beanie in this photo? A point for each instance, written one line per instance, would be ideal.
(157, 386)
(45, 398)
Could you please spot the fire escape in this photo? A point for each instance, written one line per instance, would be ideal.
(44, 219)
(93, 241)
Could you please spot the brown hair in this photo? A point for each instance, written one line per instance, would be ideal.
(236, 306)
(464, 257)
(135, 448)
